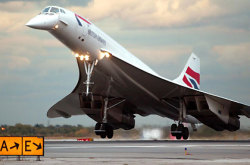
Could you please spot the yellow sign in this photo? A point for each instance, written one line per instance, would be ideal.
(33, 146)
(10, 145)
(22, 146)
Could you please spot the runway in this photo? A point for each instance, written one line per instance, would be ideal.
(144, 152)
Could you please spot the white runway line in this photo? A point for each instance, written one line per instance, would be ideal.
(155, 146)
(110, 147)
(216, 145)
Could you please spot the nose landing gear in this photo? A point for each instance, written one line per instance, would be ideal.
(89, 66)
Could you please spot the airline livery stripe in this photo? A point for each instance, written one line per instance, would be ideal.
(83, 19)
(185, 80)
(79, 23)
(193, 74)
(194, 83)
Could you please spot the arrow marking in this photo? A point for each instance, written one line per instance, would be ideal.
(38, 146)
(15, 146)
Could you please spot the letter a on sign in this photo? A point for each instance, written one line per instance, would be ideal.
(10, 145)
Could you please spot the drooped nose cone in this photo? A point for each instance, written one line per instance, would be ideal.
(43, 22)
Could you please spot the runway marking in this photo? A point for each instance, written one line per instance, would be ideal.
(216, 145)
(110, 147)
(155, 146)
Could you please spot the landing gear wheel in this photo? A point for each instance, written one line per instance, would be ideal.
(103, 135)
(180, 130)
(180, 127)
(178, 136)
(104, 129)
(185, 133)
(110, 132)
(97, 127)
(173, 129)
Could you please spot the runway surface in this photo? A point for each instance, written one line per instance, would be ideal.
(143, 152)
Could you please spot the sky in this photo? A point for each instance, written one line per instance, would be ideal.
(36, 70)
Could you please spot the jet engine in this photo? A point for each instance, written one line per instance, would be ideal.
(233, 124)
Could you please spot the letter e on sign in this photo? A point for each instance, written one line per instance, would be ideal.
(33, 146)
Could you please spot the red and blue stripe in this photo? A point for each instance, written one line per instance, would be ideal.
(195, 78)
(79, 22)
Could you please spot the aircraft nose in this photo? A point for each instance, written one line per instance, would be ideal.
(43, 22)
(34, 23)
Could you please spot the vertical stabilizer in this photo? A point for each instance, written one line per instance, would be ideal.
(190, 76)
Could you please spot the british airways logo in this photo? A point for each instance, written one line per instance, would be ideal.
(79, 22)
(191, 78)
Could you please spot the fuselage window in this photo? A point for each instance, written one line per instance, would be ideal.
(54, 10)
(62, 11)
(46, 10)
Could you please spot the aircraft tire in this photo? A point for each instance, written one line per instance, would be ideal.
(103, 135)
(97, 127)
(103, 127)
(110, 132)
(185, 133)
(173, 128)
(180, 129)
(178, 136)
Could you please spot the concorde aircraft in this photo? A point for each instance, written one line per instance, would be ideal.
(114, 85)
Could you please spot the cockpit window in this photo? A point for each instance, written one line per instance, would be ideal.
(62, 11)
(46, 10)
(54, 10)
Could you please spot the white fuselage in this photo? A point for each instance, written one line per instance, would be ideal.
(87, 39)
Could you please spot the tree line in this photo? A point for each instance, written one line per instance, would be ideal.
(41, 130)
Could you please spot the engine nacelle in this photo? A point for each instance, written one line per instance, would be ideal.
(118, 119)
(128, 122)
(118, 116)
(233, 124)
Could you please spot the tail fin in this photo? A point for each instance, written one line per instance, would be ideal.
(190, 76)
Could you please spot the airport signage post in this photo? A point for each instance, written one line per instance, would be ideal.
(22, 146)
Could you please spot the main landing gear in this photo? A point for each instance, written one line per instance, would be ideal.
(104, 130)
(179, 131)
